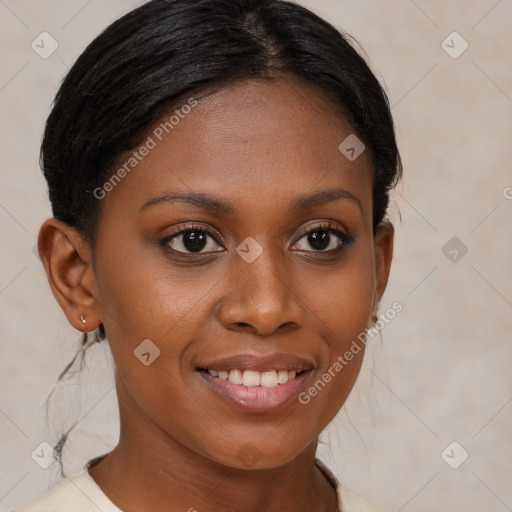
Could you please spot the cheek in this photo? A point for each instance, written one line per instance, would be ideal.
(343, 299)
(147, 298)
(144, 292)
(151, 311)
(343, 308)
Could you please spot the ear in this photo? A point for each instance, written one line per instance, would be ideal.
(67, 260)
(383, 244)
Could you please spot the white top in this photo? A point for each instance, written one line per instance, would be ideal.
(80, 493)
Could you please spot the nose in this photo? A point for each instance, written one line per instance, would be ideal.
(261, 299)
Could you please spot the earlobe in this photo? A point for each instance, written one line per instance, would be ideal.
(67, 260)
(384, 238)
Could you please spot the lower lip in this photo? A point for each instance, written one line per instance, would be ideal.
(257, 398)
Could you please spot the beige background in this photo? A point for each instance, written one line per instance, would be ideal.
(442, 370)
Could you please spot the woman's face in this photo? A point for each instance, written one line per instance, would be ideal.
(279, 271)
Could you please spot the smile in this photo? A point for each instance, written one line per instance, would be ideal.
(251, 378)
(256, 391)
(257, 382)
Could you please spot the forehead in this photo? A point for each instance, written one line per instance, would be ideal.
(252, 140)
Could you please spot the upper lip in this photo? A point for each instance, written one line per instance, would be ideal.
(276, 361)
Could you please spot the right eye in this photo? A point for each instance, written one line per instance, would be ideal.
(192, 240)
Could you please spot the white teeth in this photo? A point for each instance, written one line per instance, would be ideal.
(235, 376)
(251, 378)
(269, 379)
(282, 376)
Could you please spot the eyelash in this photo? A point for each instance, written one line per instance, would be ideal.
(344, 238)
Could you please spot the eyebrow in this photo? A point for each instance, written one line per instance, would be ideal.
(321, 197)
(215, 204)
(205, 201)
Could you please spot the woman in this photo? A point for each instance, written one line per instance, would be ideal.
(219, 174)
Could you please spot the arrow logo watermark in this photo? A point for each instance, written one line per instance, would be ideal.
(249, 249)
(146, 352)
(44, 45)
(454, 45)
(352, 147)
(454, 455)
(454, 249)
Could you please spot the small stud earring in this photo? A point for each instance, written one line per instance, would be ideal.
(82, 318)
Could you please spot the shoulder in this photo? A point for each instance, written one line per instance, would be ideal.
(77, 493)
(348, 500)
(351, 501)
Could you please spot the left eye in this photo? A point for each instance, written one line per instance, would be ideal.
(192, 241)
(322, 240)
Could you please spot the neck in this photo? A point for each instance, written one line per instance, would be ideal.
(148, 470)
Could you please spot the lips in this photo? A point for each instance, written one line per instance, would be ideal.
(257, 383)
(277, 361)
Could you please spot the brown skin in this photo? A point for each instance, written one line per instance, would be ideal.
(258, 145)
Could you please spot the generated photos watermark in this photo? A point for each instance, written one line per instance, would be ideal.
(144, 149)
(343, 360)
